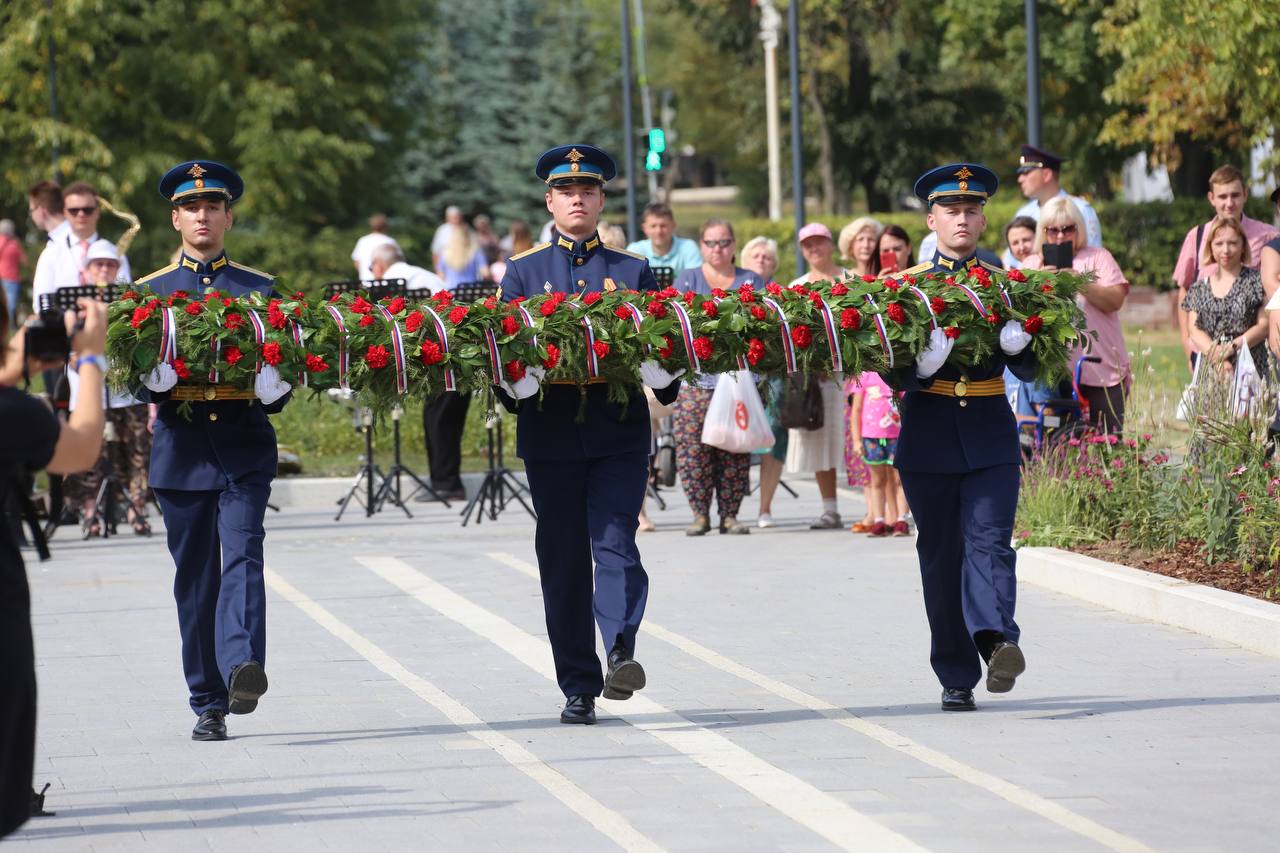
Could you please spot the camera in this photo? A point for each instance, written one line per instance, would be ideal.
(46, 336)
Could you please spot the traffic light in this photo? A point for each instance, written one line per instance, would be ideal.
(657, 145)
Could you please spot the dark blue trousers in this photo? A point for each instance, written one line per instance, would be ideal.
(965, 524)
(587, 514)
(216, 538)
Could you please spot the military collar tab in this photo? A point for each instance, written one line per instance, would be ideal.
(585, 247)
(953, 264)
(202, 268)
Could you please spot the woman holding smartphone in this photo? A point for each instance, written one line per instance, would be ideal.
(895, 250)
(1062, 243)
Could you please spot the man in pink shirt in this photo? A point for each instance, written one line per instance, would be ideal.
(1227, 193)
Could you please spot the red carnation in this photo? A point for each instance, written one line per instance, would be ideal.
(180, 368)
(802, 336)
(938, 304)
(549, 307)
(951, 332)
(774, 288)
(233, 321)
(656, 309)
(377, 357)
(838, 289)
(510, 325)
(553, 357)
(667, 347)
(558, 297)
(1047, 288)
(177, 294)
(600, 348)
(702, 347)
(226, 302)
(413, 321)
(153, 304)
(799, 290)
(193, 308)
(1017, 275)
(890, 284)
(1033, 324)
(622, 313)
(140, 316)
(271, 353)
(816, 299)
(491, 302)
(298, 294)
(457, 314)
(757, 312)
(755, 351)
(366, 320)
(360, 305)
(668, 293)
(297, 311)
(868, 278)
(396, 305)
(232, 355)
(431, 353)
(335, 298)
(213, 297)
(591, 298)
(896, 314)
(850, 318)
(719, 292)
(133, 294)
(746, 293)
(514, 370)
(688, 298)
(992, 319)
(444, 297)
(276, 318)
(710, 309)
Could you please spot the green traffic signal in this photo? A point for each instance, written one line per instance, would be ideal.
(653, 162)
(657, 140)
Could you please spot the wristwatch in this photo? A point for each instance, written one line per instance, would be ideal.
(101, 362)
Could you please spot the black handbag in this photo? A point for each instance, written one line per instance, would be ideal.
(802, 403)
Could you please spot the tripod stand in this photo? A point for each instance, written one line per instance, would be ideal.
(369, 472)
(499, 484)
(389, 491)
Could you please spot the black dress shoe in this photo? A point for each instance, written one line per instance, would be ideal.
(957, 699)
(248, 683)
(625, 677)
(211, 726)
(579, 709)
(1004, 667)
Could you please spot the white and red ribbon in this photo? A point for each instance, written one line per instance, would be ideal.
(788, 347)
(397, 350)
(1004, 297)
(344, 356)
(686, 332)
(450, 384)
(494, 359)
(593, 363)
(975, 299)
(833, 337)
(259, 337)
(637, 318)
(168, 336)
(295, 331)
(883, 331)
(924, 299)
(528, 321)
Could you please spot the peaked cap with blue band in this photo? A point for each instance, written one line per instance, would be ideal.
(957, 182)
(201, 178)
(574, 164)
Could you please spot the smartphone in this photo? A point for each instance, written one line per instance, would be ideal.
(1058, 255)
(888, 261)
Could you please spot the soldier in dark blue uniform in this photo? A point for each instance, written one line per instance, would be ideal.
(587, 478)
(959, 461)
(212, 469)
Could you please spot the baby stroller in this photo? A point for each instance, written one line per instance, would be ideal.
(1048, 416)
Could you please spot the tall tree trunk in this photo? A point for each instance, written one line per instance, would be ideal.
(826, 166)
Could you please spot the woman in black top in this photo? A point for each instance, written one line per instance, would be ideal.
(1226, 308)
(33, 440)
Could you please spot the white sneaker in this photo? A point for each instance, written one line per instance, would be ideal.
(829, 520)
(766, 521)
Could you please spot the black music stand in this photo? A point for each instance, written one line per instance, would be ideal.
(499, 484)
(474, 291)
(390, 491)
(665, 276)
(369, 472)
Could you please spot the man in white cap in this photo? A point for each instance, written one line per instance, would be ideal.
(362, 254)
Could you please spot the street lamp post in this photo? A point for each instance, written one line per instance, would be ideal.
(628, 133)
(1033, 74)
(797, 156)
(770, 22)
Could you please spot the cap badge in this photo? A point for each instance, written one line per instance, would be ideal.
(964, 175)
(196, 170)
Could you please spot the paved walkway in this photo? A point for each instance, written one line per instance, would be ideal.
(790, 707)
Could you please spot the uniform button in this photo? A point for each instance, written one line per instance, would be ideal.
(213, 416)
(579, 262)
(581, 283)
(963, 403)
(207, 280)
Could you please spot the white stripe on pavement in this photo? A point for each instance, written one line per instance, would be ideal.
(612, 825)
(808, 806)
(1002, 788)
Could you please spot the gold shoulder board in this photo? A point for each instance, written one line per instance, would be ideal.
(161, 271)
(537, 248)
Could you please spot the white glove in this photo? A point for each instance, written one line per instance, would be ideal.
(931, 359)
(526, 386)
(1013, 338)
(653, 375)
(269, 386)
(162, 378)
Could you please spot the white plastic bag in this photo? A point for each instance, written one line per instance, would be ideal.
(1247, 385)
(736, 420)
(1188, 399)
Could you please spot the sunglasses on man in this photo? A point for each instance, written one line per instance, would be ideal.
(80, 211)
(717, 244)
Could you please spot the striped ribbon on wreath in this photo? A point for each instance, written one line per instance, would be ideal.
(259, 337)
(397, 349)
(344, 356)
(920, 294)
(450, 384)
(788, 348)
(495, 364)
(593, 363)
(636, 318)
(295, 332)
(168, 336)
(883, 332)
(833, 336)
(686, 332)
